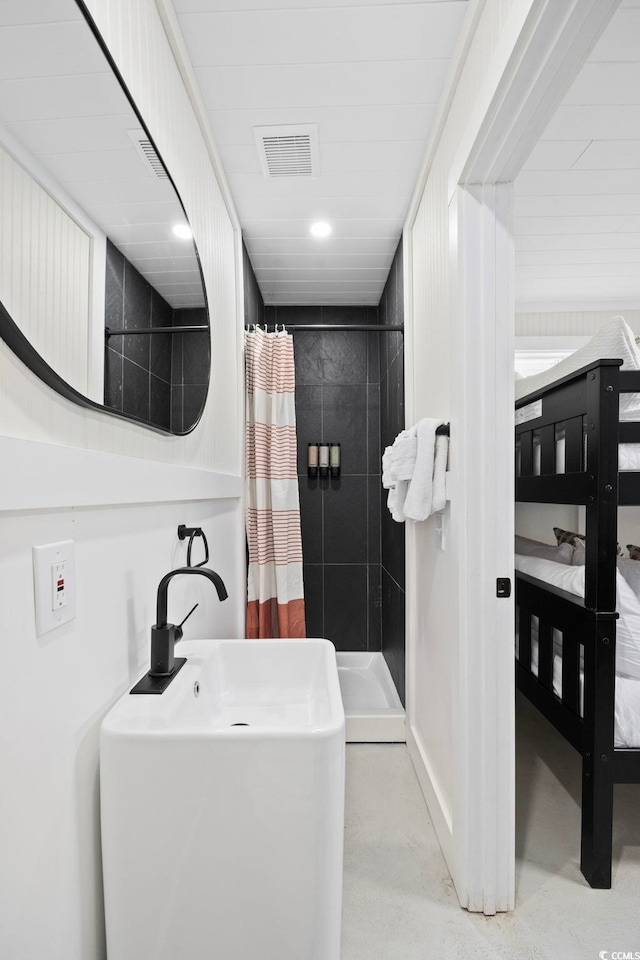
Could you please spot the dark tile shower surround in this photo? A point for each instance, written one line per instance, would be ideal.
(349, 389)
(337, 400)
(160, 378)
(391, 310)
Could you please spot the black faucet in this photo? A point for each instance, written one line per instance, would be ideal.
(164, 636)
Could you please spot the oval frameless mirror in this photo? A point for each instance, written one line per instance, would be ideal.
(101, 291)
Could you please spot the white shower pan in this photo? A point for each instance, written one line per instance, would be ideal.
(373, 710)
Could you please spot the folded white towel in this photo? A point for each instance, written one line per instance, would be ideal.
(395, 500)
(426, 494)
(439, 495)
(419, 496)
(398, 463)
(403, 457)
(413, 471)
(387, 476)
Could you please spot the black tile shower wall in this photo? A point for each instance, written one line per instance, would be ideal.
(190, 363)
(391, 311)
(137, 368)
(338, 400)
(253, 302)
(349, 389)
(161, 378)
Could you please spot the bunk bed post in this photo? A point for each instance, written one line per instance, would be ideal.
(602, 429)
(602, 473)
(598, 761)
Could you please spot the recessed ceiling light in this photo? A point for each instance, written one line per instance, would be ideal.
(183, 231)
(320, 229)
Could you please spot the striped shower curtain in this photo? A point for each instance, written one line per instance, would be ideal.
(275, 590)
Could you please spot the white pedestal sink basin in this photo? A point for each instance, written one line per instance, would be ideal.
(224, 841)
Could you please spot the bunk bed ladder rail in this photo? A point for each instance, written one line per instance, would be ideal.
(604, 384)
(582, 408)
(601, 514)
(583, 711)
(629, 480)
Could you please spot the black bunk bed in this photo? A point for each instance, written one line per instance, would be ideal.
(584, 408)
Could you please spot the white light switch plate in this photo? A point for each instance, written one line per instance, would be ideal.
(54, 583)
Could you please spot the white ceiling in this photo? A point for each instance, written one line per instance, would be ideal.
(578, 197)
(59, 98)
(370, 74)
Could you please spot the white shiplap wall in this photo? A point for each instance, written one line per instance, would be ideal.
(135, 36)
(433, 384)
(45, 272)
(52, 861)
(565, 323)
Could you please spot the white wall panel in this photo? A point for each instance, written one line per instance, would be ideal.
(70, 678)
(56, 689)
(433, 390)
(45, 272)
(568, 323)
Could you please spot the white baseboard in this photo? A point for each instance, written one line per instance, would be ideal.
(441, 815)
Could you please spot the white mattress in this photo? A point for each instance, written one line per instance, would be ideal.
(627, 704)
(628, 456)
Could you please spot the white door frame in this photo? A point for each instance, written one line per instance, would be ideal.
(484, 807)
(541, 50)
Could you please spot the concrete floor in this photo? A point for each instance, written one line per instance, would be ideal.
(399, 901)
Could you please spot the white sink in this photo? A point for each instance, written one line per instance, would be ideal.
(222, 812)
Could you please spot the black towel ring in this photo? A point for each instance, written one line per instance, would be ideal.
(192, 533)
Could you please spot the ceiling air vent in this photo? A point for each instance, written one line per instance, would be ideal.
(146, 150)
(289, 151)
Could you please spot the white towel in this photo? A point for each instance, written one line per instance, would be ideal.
(387, 476)
(439, 495)
(428, 475)
(413, 471)
(403, 456)
(398, 464)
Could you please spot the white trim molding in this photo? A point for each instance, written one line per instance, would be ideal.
(485, 804)
(175, 38)
(541, 52)
(40, 476)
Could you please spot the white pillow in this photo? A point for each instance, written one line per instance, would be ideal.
(571, 579)
(614, 340)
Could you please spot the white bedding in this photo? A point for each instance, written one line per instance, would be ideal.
(626, 731)
(614, 339)
(627, 703)
(628, 456)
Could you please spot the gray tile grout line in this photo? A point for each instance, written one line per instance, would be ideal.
(324, 631)
(368, 585)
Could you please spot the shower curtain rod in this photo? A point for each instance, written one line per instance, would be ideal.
(374, 327)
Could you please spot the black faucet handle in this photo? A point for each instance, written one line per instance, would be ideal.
(178, 630)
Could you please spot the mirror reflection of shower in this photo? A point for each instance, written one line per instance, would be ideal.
(94, 235)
